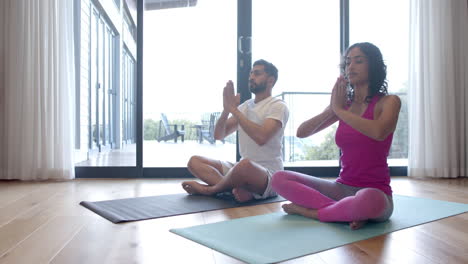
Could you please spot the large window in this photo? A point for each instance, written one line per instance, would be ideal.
(106, 113)
(302, 39)
(101, 83)
(374, 21)
(189, 55)
(185, 52)
(128, 99)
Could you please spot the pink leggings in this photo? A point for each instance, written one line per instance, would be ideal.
(334, 201)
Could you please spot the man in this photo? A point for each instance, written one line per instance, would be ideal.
(261, 122)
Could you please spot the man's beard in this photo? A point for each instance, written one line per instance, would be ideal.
(257, 88)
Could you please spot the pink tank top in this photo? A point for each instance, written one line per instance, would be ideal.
(363, 159)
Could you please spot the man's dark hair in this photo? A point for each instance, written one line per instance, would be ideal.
(270, 69)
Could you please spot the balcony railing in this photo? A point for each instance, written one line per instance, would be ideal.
(321, 147)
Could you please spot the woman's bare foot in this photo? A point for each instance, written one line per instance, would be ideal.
(293, 208)
(193, 187)
(242, 195)
(356, 224)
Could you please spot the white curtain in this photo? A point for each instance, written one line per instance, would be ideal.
(36, 89)
(438, 96)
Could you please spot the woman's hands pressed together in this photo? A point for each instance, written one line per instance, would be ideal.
(339, 95)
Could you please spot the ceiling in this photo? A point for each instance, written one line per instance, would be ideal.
(164, 4)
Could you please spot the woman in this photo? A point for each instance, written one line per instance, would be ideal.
(367, 118)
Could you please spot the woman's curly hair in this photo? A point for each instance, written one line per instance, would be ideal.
(377, 70)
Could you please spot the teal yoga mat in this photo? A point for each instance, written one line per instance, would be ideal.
(278, 237)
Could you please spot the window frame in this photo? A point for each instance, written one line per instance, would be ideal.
(244, 59)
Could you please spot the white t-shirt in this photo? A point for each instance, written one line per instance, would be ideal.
(270, 155)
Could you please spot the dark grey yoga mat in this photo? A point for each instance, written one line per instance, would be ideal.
(142, 208)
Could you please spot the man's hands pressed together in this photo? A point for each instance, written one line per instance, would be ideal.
(230, 100)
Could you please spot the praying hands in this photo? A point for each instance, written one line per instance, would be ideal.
(230, 100)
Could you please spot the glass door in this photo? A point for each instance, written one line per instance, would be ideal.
(94, 83)
(392, 37)
(107, 81)
(186, 51)
(189, 55)
(302, 38)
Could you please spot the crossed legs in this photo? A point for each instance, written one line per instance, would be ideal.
(244, 179)
(330, 201)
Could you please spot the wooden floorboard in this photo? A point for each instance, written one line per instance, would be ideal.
(42, 222)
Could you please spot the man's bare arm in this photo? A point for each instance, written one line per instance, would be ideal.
(259, 133)
(225, 126)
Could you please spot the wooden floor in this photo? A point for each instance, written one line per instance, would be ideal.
(44, 223)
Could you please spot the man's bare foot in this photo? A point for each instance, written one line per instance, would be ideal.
(293, 208)
(242, 195)
(193, 187)
(356, 224)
